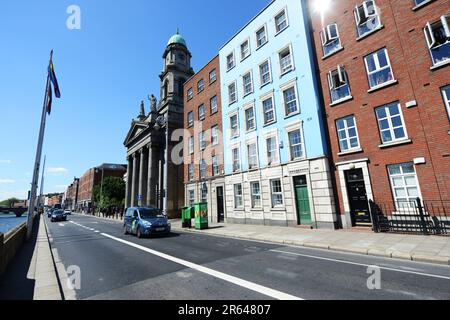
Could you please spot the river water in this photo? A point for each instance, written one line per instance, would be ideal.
(10, 221)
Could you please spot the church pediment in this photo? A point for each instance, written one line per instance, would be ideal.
(137, 128)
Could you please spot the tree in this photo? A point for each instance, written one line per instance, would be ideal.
(9, 203)
(112, 193)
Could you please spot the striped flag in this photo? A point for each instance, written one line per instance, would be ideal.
(51, 72)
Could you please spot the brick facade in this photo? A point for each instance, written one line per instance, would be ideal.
(417, 90)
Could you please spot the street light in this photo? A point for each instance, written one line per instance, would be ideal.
(163, 122)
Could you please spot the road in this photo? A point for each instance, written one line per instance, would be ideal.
(187, 266)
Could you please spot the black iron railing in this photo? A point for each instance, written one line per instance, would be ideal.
(412, 217)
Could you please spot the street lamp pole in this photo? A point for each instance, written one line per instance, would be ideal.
(166, 167)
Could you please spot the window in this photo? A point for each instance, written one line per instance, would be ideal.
(438, 40)
(286, 64)
(214, 104)
(296, 145)
(191, 198)
(236, 160)
(215, 135)
(252, 153)
(202, 140)
(230, 62)
(190, 119)
(367, 17)
(446, 95)
(238, 203)
(190, 93)
(390, 121)
(234, 124)
(204, 195)
(232, 96)
(338, 82)
(202, 169)
(290, 101)
(265, 75)
(201, 112)
(191, 172)
(330, 39)
(250, 119)
(281, 21)
(200, 86)
(405, 186)
(269, 111)
(272, 150)
(261, 37)
(347, 134)
(247, 83)
(420, 2)
(379, 70)
(215, 166)
(212, 76)
(277, 193)
(245, 49)
(255, 189)
(191, 145)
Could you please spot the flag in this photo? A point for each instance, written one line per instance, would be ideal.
(52, 75)
(49, 98)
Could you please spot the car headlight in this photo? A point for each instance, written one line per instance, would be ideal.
(147, 224)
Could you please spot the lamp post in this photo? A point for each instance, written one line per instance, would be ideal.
(163, 122)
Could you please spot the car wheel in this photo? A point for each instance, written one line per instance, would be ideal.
(125, 231)
(139, 234)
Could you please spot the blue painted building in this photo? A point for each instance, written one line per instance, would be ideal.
(275, 145)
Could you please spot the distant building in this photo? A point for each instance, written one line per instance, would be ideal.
(203, 143)
(92, 178)
(53, 199)
(71, 195)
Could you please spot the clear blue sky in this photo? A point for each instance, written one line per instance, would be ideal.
(104, 71)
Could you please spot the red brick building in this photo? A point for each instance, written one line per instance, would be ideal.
(385, 75)
(203, 144)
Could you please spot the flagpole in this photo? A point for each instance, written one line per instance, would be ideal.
(37, 162)
(41, 189)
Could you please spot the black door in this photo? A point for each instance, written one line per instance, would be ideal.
(357, 195)
(220, 205)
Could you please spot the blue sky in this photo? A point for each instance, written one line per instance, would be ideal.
(104, 71)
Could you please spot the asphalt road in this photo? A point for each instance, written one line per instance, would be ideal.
(188, 266)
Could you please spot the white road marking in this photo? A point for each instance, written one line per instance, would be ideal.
(61, 224)
(217, 274)
(362, 264)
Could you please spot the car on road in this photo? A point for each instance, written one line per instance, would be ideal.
(68, 212)
(146, 222)
(58, 215)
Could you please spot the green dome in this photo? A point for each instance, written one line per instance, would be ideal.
(177, 39)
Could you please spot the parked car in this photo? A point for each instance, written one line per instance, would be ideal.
(49, 213)
(59, 215)
(146, 222)
(68, 212)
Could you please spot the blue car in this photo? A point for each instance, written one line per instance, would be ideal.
(145, 222)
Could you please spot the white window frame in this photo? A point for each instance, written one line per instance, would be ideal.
(191, 200)
(302, 143)
(244, 90)
(261, 75)
(215, 166)
(190, 94)
(234, 84)
(204, 195)
(215, 135)
(237, 195)
(234, 133)
(276, 149)
(278, 193)
(212, 79)
(347, 137)
(200, 85)
(191, 145)
(391, 126)
(190, 118)
(245, 55)
(232, 55)
(431, 40)
(289, 85)
(446, 99)
(343, 78)
(367, 16)
(191, 172)
(202, 140)
(285, 11)
(246, 108)
(265, 35)
(326, 37)
(216, 109)
(379, 69)
(236, 160)
(291, 54)
(201, 115)
(254, 196)
(263, 99)
(256, 156)
(405, 186)
(202, 169)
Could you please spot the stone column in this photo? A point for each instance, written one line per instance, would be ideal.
(150, 200)
(134, 180)
(141, 178)
(128, 183)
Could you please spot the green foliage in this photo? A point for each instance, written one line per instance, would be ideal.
(9, 202)
(112, 194)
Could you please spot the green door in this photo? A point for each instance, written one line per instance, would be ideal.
(302, 199)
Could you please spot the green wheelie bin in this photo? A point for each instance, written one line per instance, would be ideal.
(201, 216)
(186, 217)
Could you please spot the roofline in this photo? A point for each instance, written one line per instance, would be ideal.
(201, 69)
(247, 24)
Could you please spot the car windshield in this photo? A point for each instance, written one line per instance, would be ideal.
(59, 212)
(150, 213)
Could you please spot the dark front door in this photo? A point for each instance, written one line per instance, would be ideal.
(302, 200)
(220, 205)
(357, 196)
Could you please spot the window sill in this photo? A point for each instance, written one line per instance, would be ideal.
(247, 94)
(250, 130)
(370, 33)
(212, 82)
(281, 31)
(258, 210)
(332, 53)
(228, 70)
(286, 72)
(231, 103)
(341, 101)
(213, 113)
(265, 84)
(279, 209)
(382, 86)
(269, 124)
(292, 115)
(396, 143)
(245, 58)
(262, 45)
(423, 4)
(344, 153)
(440, 65)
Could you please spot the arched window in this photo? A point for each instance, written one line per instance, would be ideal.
(166, 89)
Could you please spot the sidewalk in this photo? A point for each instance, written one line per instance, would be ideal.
(429, 249)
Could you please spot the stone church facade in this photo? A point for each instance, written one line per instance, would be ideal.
(146, 141)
